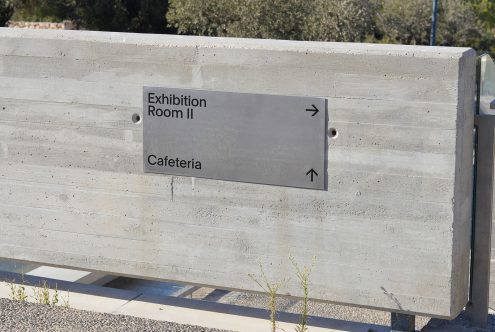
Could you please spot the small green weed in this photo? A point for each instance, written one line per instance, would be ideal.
(17, 292)
(271, 288)
(303, 277)
(66, 301)
(42, 294)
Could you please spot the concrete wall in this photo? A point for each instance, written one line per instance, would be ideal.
(391, 232)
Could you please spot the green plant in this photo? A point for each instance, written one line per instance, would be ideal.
(17, 292)
(272, 289)
(42, 294)
(55, 296)
(145, 16)
(328, 20)
(66, 301)
(303, 277)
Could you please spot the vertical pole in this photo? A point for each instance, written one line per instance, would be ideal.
(402, 322)
(477, 308)
(433, 35)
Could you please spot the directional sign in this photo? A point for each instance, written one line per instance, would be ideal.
(257, 138)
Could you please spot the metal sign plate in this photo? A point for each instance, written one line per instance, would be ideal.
(257, 138)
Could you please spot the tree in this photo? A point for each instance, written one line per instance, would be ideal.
(204, 18)
(6, 11)
(283, 19)
(43, 10)
(459, 25)
(110, 15)
(341, 20)
(486, 12)
(405, 22)
(409, 22)
(122, 15)
(275, 19)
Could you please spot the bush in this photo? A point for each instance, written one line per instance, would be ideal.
(43, 10)
(405, 22)
(341, 20)
(336, 20)
(409, 22)
(204, 18)
(122, 15)
(6, 11)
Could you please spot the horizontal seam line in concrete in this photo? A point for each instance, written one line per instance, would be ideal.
(387, 99)
(20, 101)
(301, 225)
(148, 218)
(357, 122)
(79, 233)
(418, 249)
(79, 125)
(129, 194)
(134, 128)
(8, 164)
(357, 148)
(163, 265)
(132, 194)
(111, 108)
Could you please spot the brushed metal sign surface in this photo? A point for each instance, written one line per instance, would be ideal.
(256, 138)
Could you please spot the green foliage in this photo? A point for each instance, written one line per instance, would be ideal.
(275, 19)
(6, 11)
(283, 19)
(109, 15)
(204, 18)
(271, 289)
(405, 22)
(409, 22)
(43, 10)
(339, 20)
(458, 25)
(17, 292)
(460, 22)
(122, 15)
(486, 12)
(42, 294)
(303, 277)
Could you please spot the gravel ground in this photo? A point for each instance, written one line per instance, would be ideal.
(27, 317)
(461, 324)
(318, 309)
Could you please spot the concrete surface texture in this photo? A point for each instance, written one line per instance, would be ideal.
(392, 231)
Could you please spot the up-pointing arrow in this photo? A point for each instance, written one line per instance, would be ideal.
(313, 173)
(315, 110)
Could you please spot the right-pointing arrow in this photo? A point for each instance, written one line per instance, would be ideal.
(313, 173)
(315, 110)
